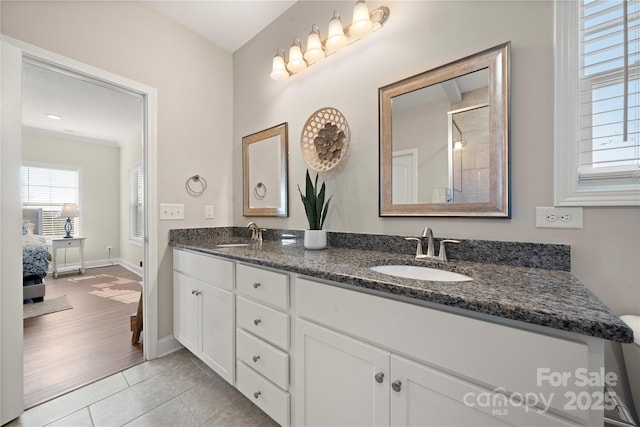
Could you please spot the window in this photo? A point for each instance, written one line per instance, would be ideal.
(136, 211)
(597, 136)
(48, 189)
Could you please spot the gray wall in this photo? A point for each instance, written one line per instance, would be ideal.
(193, 78)
(420, 35)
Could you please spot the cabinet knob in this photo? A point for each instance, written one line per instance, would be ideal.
(256, 321)
(193, 291)
(257, 394)
(256, 358)
(379, 377)
(396, 385)
(256, 285)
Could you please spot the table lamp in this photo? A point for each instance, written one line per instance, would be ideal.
(70, 210)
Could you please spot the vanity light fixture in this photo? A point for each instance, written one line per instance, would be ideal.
(336, 38)
(315, 51)
(279, 71)
(296, 62)
(363, 23)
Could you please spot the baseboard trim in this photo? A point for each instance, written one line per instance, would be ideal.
(102, 263)
(168, 345)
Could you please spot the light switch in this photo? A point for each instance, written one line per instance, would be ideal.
(171, 211)
(208, 212)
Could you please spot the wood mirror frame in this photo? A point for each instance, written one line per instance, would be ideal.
(268, 185)
(496, 61)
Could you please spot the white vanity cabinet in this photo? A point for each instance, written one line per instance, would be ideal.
(312, 353)
(400, 364)
(204, 309)
(263, 339)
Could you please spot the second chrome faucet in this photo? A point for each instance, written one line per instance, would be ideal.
(256, 232)
(427, 234)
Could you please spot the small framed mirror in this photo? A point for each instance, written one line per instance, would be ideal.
(264, 166)
(444, 140)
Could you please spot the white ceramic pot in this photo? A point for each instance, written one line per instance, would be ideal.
(315, 239)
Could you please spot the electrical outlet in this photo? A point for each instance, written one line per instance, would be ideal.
(558, 217)
(171, 211)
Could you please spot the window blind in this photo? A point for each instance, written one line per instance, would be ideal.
(136, 211)
(49, 189)
(609, 91)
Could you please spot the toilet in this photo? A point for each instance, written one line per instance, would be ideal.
(631, 353)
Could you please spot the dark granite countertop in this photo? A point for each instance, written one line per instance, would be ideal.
(540, 296)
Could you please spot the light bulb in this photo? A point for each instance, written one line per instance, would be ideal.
(314, 52)
(336, 38)
(296, 62)
(278, 70)
(361, 25)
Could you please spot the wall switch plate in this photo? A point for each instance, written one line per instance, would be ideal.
(171, 211)
(208, 212)
(558, 217)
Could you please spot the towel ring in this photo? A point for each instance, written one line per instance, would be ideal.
(196, 179)
(260, 191)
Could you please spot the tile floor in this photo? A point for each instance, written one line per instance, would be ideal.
(175, 390)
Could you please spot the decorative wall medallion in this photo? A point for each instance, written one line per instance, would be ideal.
(325, 139)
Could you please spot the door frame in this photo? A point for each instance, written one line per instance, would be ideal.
(11, 288)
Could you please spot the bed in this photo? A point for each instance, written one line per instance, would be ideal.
(35, 256)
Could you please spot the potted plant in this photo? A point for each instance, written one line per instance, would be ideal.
(316, 209)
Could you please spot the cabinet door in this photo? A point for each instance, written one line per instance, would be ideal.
(185, 311)
(336, 382)
(423, 396)
(217, 349)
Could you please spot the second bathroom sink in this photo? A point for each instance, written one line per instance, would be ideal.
(421, 273)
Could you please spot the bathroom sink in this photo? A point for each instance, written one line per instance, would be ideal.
(421, 273)
(232, 245)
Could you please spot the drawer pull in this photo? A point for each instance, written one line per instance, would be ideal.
(256, 285)
(396, 385)
(379, 377)
(257, 394)
(256, 358)
(256, 321)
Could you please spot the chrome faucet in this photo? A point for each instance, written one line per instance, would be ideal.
(256, 232)
(427, 233)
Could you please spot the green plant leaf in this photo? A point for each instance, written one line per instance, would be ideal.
(324, 212)
(314, 202)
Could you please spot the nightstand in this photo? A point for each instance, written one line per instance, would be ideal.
(64, 243)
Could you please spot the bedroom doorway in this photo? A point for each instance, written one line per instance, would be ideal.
(14, 53)
(82, 147)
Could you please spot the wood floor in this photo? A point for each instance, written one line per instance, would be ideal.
(69, 349)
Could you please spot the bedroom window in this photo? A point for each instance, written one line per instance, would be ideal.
(136, 207)
(48, 189)
(597, 108)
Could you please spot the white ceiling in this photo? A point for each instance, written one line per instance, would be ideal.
(229, 24)
(96, 113)
(90, 111)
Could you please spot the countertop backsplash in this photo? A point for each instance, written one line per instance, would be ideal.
(517, 254)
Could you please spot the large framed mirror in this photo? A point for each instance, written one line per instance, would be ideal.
(264, 166)
(444, 140)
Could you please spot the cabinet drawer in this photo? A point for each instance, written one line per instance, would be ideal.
(205, 268)
(273, 401)
(264, 358)
(265, 322)
(263, 285)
